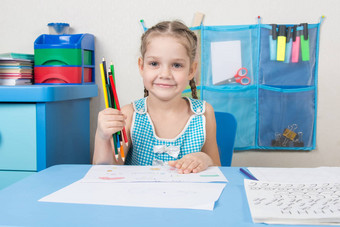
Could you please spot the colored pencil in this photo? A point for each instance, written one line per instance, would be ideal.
(105, 72)
(118, 142)
(121, 149)
(104, 85)
(113, 76)
(111, 95)
(122, 154)
(117, 103)
(113, 104)
(113, 72)
(115, 146)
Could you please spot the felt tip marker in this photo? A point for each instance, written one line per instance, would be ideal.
(288, 45)
(272, 42)
(304, 43)
(281, 43)
(295, 45)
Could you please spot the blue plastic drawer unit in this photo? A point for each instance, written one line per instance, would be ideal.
(41, 126)
(64, 59)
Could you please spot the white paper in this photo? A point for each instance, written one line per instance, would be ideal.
(225, 60)
(121, 173)
(143, 186)
(293, 203)
(297, 175)
(162, 195)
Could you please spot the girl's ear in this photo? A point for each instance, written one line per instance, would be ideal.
(193, 69)
(140, 65)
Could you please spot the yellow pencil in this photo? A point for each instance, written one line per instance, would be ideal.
(104, 85)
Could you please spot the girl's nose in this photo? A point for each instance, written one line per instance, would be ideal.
(165, 72)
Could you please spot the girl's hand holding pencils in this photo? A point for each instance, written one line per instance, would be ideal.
(110, 121)
(111, 101)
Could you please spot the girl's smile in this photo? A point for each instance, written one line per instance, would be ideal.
(164, 85)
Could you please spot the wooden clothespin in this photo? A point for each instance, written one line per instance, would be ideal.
(198, 19)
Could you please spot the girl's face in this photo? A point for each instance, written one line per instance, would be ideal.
(166, 67)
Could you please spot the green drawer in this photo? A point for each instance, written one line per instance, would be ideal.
(88, 57)
(62, 56)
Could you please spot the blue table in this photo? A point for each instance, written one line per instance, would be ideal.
(19, 205)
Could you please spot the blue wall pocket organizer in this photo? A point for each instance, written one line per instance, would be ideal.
(276, 107)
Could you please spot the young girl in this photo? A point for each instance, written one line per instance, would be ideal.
(163, 127)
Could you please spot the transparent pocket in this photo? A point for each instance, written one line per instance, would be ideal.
(242, 104)
(286, 118)
(294, 71)
(225, 50)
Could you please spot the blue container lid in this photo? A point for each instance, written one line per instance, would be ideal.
(78, 41)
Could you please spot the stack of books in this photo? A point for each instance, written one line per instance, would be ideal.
(16, 69)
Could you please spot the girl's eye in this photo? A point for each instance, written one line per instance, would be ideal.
(177, 65)
(153, 63)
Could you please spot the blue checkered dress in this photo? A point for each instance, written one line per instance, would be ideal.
(148, 149)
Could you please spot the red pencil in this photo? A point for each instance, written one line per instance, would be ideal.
(113, 86)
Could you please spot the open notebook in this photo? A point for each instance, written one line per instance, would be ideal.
(295, 203)
(294, 195)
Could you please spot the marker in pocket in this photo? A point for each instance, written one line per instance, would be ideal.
(281, 43)
(272, 42)
(295, 45)
(289, 43)
(305, 43)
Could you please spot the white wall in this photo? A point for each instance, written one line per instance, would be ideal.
(115, 24)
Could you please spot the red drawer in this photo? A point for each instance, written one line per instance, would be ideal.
(61, 75)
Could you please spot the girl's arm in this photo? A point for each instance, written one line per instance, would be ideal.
(110, 121)
(210, 146)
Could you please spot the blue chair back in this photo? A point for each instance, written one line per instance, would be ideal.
(225, 134)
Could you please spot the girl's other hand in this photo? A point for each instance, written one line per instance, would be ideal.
(192, 163)
(110, 121)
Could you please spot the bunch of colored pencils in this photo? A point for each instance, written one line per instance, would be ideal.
(111, 101)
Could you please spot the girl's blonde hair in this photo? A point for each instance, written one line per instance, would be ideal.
(176, 29)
